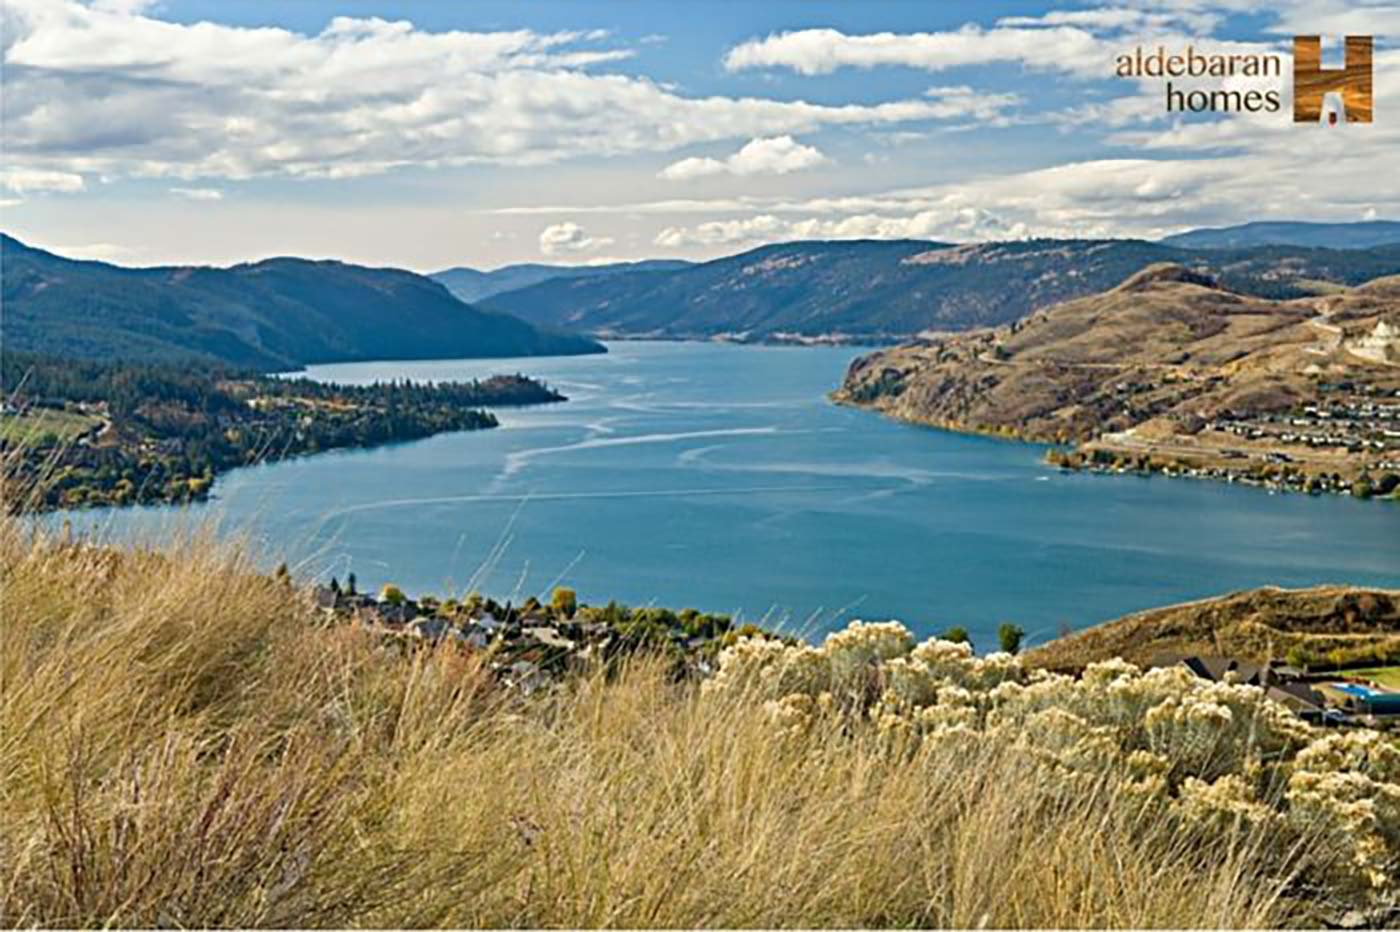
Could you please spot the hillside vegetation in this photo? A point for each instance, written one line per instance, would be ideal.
(273, 315)
(884, 291)
(79, 433)
(1324, 626)
(1171, 370)
(186, 742)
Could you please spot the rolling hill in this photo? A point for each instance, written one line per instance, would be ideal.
(1362, 235)
(884, 291)
(470, 284)
(1257, 625)
(1170, 370)
(271, 315)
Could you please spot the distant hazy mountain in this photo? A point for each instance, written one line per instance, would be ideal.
(882, 290)
(474, 285)
(1360, 235)
(275, 314)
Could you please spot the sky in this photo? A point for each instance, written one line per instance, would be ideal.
(429, 135)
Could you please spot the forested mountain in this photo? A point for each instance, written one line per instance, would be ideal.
(471, 284)
(882, 290)
(270, 315)
(1360, 235)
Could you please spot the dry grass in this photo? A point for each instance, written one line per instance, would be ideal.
(181, 743)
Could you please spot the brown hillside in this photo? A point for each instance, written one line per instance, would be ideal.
(1168, 365)
(1258, 625)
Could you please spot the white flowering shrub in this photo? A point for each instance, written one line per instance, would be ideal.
(1348, 785)
(1212, 754)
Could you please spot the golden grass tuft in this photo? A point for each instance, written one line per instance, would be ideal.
(184, 742)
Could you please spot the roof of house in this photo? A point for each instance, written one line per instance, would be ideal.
(1218, 668)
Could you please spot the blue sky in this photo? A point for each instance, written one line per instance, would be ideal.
(433, 134)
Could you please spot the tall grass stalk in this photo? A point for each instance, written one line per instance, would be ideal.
(183, 741)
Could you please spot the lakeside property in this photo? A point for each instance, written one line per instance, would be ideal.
(718, 476)
(1170, 372)
(83, 434)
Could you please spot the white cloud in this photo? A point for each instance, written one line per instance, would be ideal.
(953, 222)
(822, 51)
(121, 94)
(1081, 44)
(568, 239)
(30, 180)
(199, 194)
(1119, 19)
(778, 155)
(1138, 197)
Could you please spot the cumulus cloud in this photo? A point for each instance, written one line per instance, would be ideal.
(778, 155)
(110, 91)
(822, 51)
(30, 180)
(199, 194)
(561, 239)
(1138, 197)
(1077, 43)
(960, 223)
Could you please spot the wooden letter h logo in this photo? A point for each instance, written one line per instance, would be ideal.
(1311, 82)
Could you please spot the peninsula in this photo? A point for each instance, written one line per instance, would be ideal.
(1170, 372)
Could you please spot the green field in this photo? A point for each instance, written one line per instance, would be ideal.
(1381, 676)
(40, 422)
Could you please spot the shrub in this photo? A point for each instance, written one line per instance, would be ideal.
(564, 602)
(958, 635)
(1010, 636)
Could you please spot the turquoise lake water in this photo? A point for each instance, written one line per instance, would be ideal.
(720, 477)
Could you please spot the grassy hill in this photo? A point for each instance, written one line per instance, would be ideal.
(185, 741)
(1362, 235)
(471, 285)
(271, 315)
(1323, 625)
(883, 291)
(1170, 370)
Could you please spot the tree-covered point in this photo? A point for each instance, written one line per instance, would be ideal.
(77, 433)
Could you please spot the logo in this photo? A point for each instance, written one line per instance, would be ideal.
(1336, 94)
(1312, 83)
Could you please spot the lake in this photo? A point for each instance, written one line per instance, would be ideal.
(720, 477)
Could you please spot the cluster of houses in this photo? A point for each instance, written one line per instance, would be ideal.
(532, 644)
(1321, 699)
(1354, 424)
(529, 646)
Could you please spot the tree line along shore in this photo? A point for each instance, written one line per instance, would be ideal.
(79, 434)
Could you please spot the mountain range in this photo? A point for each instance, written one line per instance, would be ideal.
(286, 312)
(470, 284)
(883, 291)
(1361, 235)
(272, 315)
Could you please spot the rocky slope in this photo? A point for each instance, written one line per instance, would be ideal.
(1169, 370)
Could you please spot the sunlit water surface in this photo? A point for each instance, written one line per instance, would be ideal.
(720, 477)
